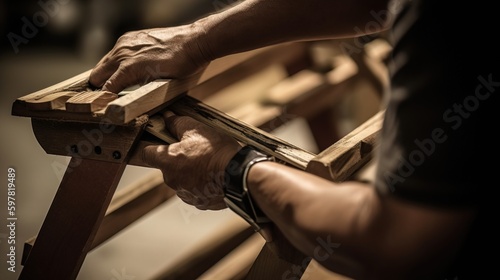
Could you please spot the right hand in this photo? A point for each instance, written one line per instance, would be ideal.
(195, 166)
(145, 55)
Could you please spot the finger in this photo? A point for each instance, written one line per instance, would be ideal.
(120, 80)
(178, 125)
(155, 155)
(102, 71)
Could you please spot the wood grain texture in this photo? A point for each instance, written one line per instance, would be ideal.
(89, 101)
(55, 101)
(243, 132)
(339, 161)
(76, 83)
(146, 99)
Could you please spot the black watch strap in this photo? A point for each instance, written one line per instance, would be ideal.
(236, 192)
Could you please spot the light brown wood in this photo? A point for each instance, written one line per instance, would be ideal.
(300, 94)
(243, 132)
(288, 55)
(346, 156)
(55, 101)
(146, 99)
(89, 101)
(76, 83)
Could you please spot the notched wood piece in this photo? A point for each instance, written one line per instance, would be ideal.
(89, 101)
(77, 83)
(53, 101)
(243, 132)
(342, 159)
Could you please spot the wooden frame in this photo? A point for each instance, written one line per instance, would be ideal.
(135, 125)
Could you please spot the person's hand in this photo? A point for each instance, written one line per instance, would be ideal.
(194, 166)
(145, 55)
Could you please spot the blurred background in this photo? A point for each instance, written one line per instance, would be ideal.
(45, 42)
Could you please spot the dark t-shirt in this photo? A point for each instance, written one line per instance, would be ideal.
(438, 146)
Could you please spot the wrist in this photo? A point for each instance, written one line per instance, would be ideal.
(202, 39)
(237, 196)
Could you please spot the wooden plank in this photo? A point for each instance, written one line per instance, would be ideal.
(53, 101)
(286, 55)
(76, 83)
(89, 101)
(127, 206)
(342, 159)
(157, 93)
(148, 98)
(243, 132)
(250, 89)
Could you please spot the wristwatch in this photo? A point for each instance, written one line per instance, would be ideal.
(236, 194)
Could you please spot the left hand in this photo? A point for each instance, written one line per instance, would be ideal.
(194, 166)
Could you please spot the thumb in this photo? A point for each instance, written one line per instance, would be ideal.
(155, 155)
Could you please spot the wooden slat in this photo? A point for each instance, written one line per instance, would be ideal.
(89, 101)
(77, 83)
(346, 156)
(242, 132)
(147, 98)
(55, 101)
(287, 55)
(156, 94)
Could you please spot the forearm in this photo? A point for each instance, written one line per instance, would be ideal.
(318, 217)
(353, 230)
(258, 23)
